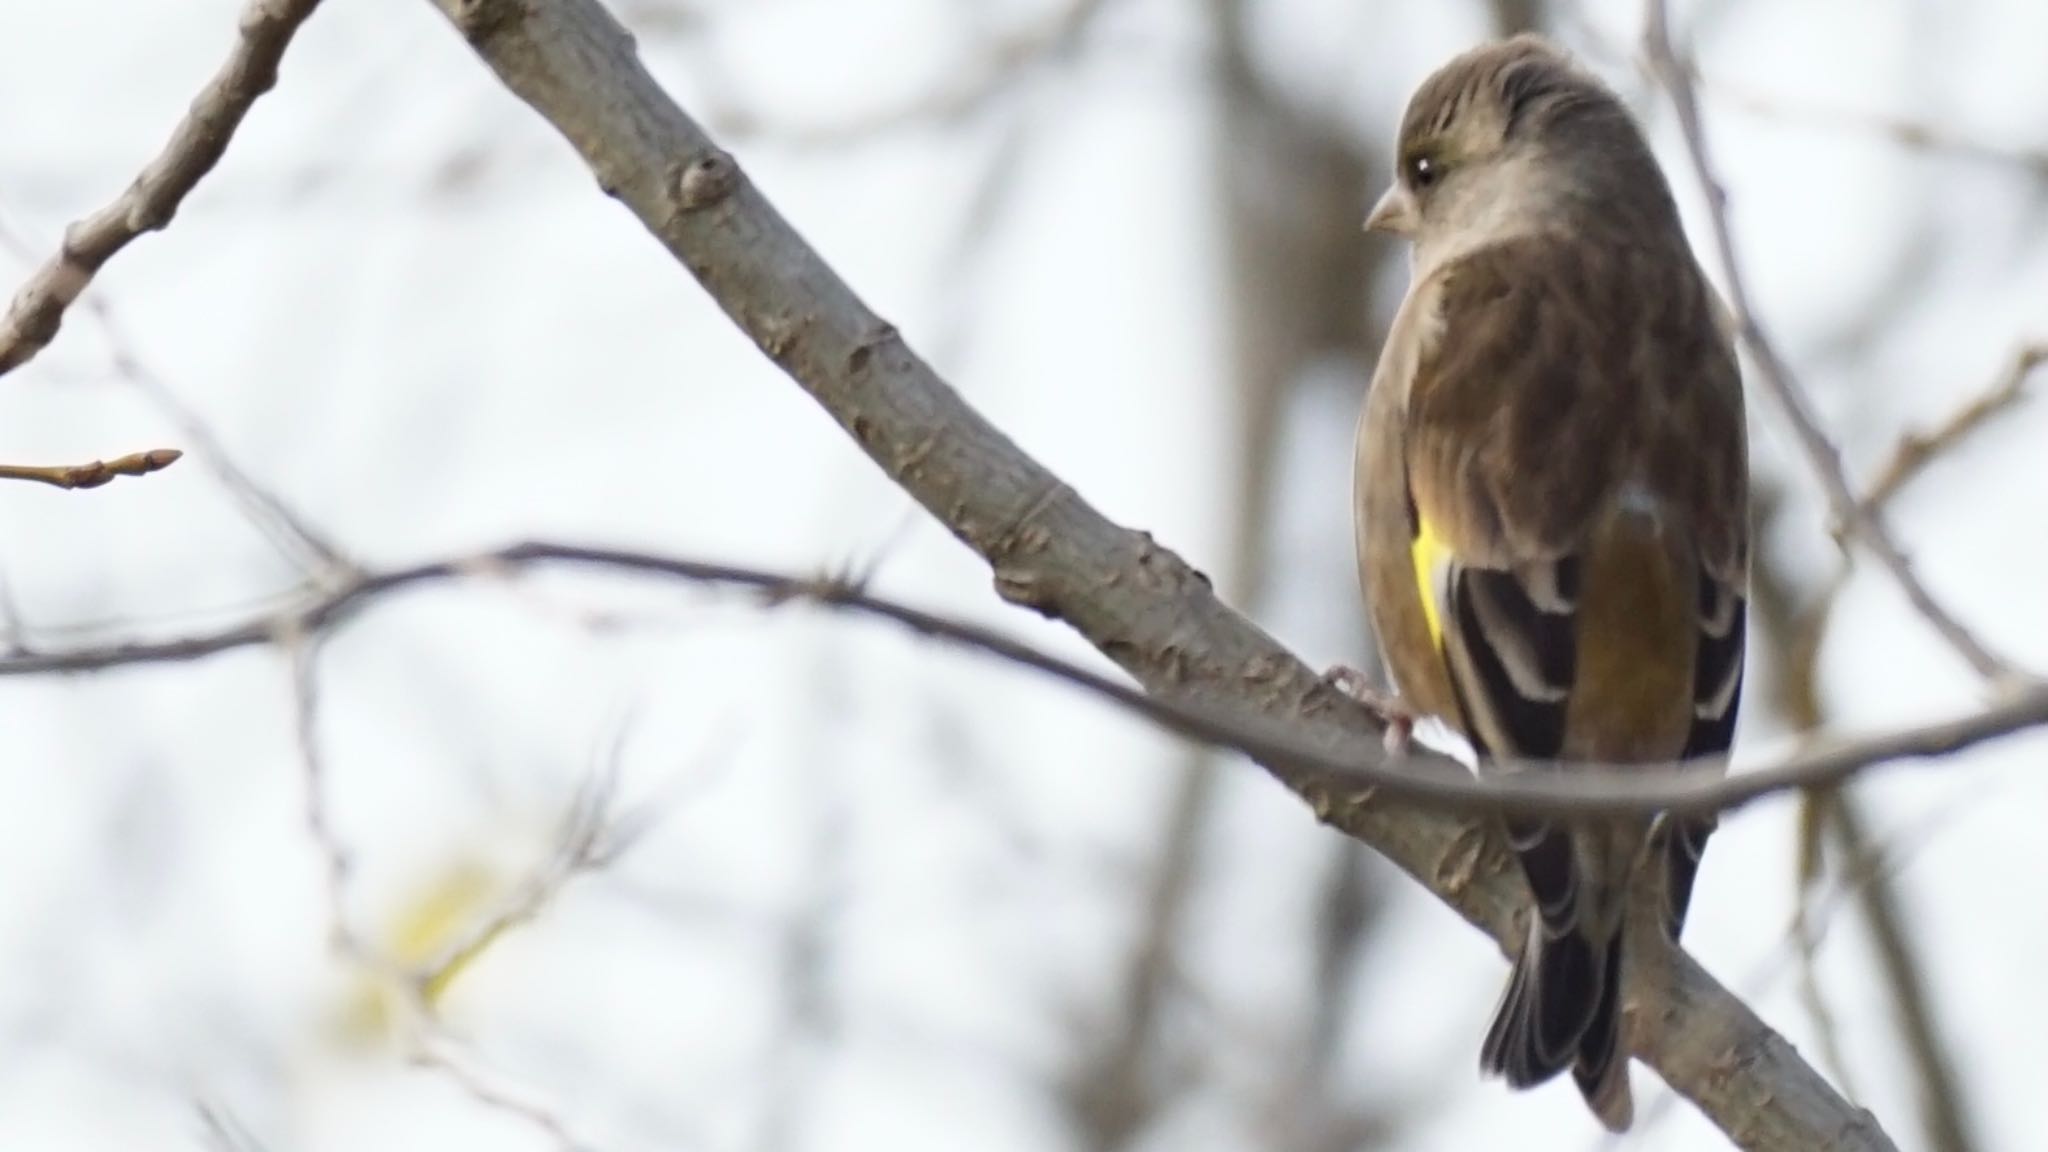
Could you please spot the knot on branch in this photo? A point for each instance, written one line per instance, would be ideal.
(480, 20)
(706, 181)
(1026, 588)
(862, 357)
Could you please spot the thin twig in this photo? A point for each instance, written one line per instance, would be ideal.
(302, 646)
(95, 473)
(196, 145)
(588, 841)
(1909, 460)
(1916, 450)
(287, 531)
(435, 1049)
(1835, 811)
(1831, 899)
(1776, 376)
(1333, 779)
(1908, 133)
(591, 837)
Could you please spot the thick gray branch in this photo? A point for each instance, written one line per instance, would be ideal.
(1137, 602)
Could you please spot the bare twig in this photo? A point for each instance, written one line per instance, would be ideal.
(1776, 376)
(95, 473)
(195, 146)
(1835, 812)
(287, 531)
(1906, 132)
(303, 649)
(1916, 450)
(586, 842)
(1884, 862)
(435, 1049)
(589, 838)
(1338, 778)
(1803, 628)
(1909, 460)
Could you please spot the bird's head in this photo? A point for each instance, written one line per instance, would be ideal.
(1512, 138)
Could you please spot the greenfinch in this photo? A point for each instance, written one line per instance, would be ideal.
(1552, 500)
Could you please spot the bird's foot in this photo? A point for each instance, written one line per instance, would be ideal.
(1397, 716)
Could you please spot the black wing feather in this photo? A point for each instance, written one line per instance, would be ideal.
(1717, 699)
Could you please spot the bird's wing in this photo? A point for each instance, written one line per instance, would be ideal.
(1573, 446)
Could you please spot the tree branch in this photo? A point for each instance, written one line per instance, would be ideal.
(1325, 752)
(147, 205)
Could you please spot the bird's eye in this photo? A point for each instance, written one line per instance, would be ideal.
(1424, 172)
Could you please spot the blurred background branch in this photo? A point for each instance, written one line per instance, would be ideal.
(1850, 515)
(1797, 631)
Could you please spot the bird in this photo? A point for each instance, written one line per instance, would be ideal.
(1551, 489)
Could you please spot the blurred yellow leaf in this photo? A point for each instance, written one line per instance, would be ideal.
(432, 927)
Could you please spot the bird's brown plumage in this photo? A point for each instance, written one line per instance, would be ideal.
(1552, 491)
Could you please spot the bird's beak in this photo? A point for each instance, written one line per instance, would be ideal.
(1394, 213)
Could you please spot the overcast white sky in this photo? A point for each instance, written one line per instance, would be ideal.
(889, 881)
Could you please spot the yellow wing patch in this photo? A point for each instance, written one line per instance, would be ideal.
(1430, 555)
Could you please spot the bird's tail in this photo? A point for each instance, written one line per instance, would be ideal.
(1562, 1008)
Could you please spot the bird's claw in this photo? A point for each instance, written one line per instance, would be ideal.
(1397, 716)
